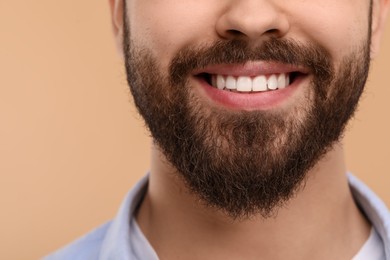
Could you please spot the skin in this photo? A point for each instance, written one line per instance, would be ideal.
(322, 221)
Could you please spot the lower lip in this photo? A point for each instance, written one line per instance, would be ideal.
(249, 100)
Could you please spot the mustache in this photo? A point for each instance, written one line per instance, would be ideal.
(309, 55)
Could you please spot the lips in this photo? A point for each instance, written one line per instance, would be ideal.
(254, 85)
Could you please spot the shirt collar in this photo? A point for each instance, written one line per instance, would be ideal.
(116, 244)
(374, 209)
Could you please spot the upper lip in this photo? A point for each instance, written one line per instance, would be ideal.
(251, 69)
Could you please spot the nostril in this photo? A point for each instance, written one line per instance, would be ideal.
(233, 32)
(273, 31)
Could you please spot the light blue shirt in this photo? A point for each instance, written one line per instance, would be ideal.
(121, 238)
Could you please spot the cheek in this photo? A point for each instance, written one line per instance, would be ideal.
(164, 27)
(338, 25)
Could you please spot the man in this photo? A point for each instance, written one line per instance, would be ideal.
(246, 101)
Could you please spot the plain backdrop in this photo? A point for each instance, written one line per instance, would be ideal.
(71, 142)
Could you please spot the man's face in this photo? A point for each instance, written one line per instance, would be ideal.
(247, 150)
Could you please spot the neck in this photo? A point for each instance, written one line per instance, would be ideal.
(320, 220)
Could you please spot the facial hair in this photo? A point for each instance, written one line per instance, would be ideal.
(244, 163)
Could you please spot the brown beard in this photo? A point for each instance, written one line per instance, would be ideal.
(244, 162)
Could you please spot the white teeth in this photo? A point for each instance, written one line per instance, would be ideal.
(273, 82)
(250, 84)
(244, 84)
(220, 82)
(231, 82)
(281, 81)
(260, 83)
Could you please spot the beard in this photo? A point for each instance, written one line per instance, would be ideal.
(244, 163)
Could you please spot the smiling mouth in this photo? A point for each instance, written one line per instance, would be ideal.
(247, 84)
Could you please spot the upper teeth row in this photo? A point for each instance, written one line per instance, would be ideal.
(248, 84)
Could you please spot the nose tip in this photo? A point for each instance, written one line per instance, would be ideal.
(252, 20)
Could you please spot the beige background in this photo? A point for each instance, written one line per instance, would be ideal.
(71, 144)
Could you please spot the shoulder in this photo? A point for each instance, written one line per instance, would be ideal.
(84, 248)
